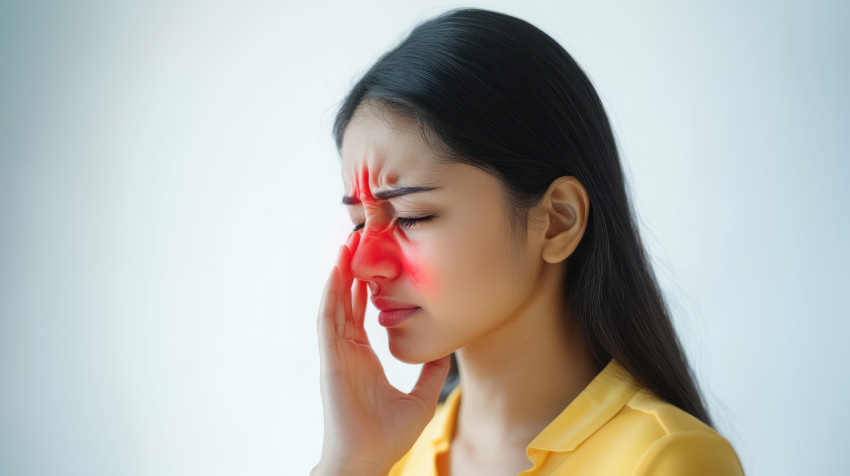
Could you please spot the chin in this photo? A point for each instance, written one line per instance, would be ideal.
(404, 353)
(411, 351)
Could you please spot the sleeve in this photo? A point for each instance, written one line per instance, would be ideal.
(692, 453)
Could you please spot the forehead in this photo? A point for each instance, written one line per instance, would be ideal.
(386, 147)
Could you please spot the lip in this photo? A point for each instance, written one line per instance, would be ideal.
(394, 317)
(386, 304)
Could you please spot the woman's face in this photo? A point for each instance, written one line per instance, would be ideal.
(461, 267)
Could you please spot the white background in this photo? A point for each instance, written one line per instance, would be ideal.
(169, 196)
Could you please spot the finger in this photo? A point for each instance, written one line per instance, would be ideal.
(340, 313)
(431, 379)
(326, 332)
(356, 240)
(359, 295)
(344, 263)
(360, 300)
(348, 330)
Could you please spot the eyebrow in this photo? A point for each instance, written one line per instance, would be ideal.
(387, 194)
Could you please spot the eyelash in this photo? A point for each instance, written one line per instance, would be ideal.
(405, 222)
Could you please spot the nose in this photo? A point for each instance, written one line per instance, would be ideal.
(377, 256)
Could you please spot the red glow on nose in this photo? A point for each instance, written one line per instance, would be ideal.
(380, 244)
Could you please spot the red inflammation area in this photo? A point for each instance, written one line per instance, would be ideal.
(377, 245)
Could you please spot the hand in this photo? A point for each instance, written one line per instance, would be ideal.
(368, 422)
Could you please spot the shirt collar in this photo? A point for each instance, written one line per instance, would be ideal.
(441, 426)
(600, 400)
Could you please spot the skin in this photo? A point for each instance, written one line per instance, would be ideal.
(484, 292)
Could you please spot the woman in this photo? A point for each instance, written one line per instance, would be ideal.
(494, 233)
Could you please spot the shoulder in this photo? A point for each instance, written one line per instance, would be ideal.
(695, 453)
(672, 441)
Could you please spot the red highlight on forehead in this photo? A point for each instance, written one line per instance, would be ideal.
(361, 187)
(382, 244)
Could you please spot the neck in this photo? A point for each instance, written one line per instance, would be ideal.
(516, 379)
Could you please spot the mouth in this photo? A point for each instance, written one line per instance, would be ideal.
(388, 305)
(393, 317)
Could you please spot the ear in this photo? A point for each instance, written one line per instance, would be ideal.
(565, 209)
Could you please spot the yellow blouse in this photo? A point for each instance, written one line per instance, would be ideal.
(613, 427)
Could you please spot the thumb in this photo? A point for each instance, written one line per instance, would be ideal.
(431, 378)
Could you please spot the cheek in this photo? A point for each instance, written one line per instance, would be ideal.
(467, 266)
(415, 263)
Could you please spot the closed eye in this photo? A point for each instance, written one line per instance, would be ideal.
(404, 222)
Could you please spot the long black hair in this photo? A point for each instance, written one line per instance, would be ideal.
(493, 91)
